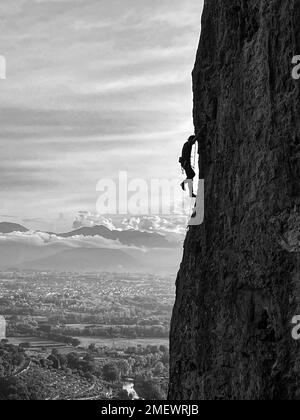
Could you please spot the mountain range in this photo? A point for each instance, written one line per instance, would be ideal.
(139, 252)
(126, 237)
(12, 227)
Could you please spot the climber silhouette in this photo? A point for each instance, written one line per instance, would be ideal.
(186, 165)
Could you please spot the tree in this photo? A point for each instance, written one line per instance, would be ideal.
(62, 360)
(158, 369)
(123, 395)
(55, 352)
(73, 360)
(92, 348)
(75, 342)
(149, 389)
(88, 376)
(89, 358)
(88, 366)
(55, 361)
(123, 367)
(111, 372)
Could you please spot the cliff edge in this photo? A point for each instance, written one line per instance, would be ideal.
(238, 287)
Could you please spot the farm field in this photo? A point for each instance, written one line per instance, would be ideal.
(34, 342)
(37, 343)
(80, 327)
(122, 342)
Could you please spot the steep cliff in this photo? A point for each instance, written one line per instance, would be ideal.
(238, 287)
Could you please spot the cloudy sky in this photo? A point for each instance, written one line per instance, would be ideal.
(93, 87)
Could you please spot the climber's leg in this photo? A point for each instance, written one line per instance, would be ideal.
(186, 181)
(190, 173)
(190, 185)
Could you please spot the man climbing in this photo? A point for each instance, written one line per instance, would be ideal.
(186, 165)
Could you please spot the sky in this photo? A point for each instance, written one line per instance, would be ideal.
(93, 87)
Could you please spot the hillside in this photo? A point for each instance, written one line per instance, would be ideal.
(126, 237)
(13, 253)
(11, 227)
(85, 259)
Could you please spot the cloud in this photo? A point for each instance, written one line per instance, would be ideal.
(42, 239)
(173, 227)
(11, 7)
(87, 219)
(93, 87)
(135, 83)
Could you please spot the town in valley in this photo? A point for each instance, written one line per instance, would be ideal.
(75, 336)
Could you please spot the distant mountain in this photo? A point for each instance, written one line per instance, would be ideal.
(11, 227)
(126, 237)
(13, 253)
(85, 259)
(162, 260)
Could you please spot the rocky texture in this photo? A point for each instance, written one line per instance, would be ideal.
(238, 287)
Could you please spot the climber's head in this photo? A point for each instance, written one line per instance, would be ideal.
(192, 139)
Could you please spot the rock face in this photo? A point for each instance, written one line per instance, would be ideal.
(238, 287)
